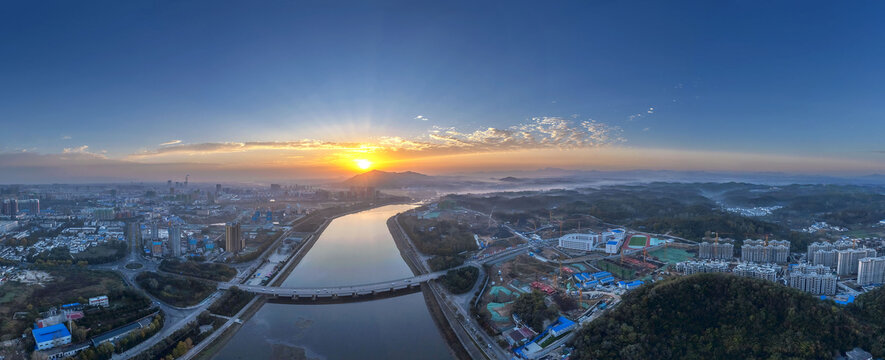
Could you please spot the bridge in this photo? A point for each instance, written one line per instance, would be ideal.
(339, 291)
(384, 287)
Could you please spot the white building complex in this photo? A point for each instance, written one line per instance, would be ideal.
(871, 270)
(716, 250)
(590, 241)
(849, 258)
(583, 242)
(694, 267)
(756, 251)
(759, 271)
(815, 279)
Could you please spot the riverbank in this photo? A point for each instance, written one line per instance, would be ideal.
(281, 276)
(433, 306)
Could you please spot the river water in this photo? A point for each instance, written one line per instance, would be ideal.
(354, 249)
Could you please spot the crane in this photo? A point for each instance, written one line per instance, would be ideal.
(715, 256)
(490, 216)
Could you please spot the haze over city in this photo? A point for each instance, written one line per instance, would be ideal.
(103, 91)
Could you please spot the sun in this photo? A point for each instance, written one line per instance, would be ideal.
(363, 164)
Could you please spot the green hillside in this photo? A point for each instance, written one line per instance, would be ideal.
(721, 316)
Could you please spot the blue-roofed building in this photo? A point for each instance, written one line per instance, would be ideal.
(633, 284)
(562, 326)
(601, 274)
(51, 336)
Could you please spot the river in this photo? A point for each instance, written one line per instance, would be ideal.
(354, 249)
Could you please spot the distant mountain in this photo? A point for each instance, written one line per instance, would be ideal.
(383, 179)
(511, 179)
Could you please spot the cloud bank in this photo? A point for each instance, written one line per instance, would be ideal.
(539, 133)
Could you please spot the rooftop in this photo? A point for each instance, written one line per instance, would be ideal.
(50, 333)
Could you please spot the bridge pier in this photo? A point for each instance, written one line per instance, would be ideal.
(314, 297)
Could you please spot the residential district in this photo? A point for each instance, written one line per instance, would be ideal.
(156, 270)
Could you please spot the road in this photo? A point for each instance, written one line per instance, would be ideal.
(475, 340)
(175, 317)
(215, 334)
(339, 290)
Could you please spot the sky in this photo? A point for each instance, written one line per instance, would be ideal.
(149, 90)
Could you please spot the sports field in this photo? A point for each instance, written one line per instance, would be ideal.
(638, 241)
(671, 255)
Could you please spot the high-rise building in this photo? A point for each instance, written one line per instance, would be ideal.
(233, 238)
(217, 189)
(175, 239)
(31, 206)
(716, 250)
(848, 260)
(10, 207)
(825, 258)
(155, 231)
(871, 270)
(813, 281)
(818, 246)
(756, 251)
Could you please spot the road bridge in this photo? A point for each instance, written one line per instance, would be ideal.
(339, 291)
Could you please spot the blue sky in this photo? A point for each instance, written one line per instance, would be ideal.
(789, 78)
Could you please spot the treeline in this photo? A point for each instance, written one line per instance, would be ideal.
(106, 350)
(126, 305)
(438, 237)
(438, 263)
(180, 341)
(209, 271)
(175, 290)
(870, 306)
(103, 253)
(461, 280)
(99, 254)
(533, 310)
(722, 316)
(231, 302)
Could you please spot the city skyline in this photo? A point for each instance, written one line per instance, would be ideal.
(121, 91)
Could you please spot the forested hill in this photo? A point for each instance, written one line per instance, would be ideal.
(722, 316)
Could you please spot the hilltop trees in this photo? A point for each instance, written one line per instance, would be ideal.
(533, 310)
(722, 316)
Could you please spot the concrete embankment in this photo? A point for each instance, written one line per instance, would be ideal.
(411, 258)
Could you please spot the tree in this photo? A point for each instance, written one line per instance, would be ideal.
(532, 309)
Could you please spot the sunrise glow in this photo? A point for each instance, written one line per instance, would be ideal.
(363, 164)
